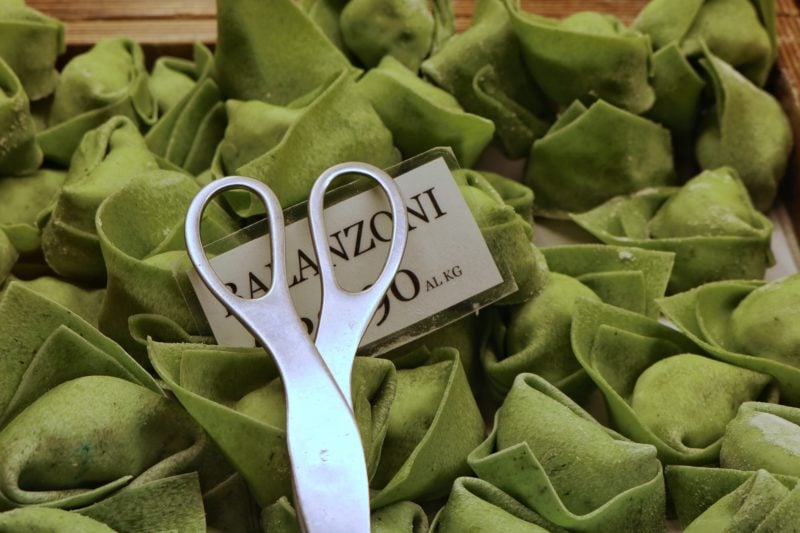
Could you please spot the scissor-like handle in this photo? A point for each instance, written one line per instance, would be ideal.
(345, 315)
(197, 255)
(327, 457)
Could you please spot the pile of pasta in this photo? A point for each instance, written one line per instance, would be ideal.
(119, 411)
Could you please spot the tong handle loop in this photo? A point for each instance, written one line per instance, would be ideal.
(320, 237)
(345, 315)
(197, 255)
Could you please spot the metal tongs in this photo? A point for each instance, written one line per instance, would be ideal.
(327, 458)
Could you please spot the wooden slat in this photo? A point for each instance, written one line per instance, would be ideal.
(145, 31)
(157, 37)
(788, 7)
(789, 94)
(462, 9)
(69, 10)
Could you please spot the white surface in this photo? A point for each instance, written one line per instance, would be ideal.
(784, 245)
